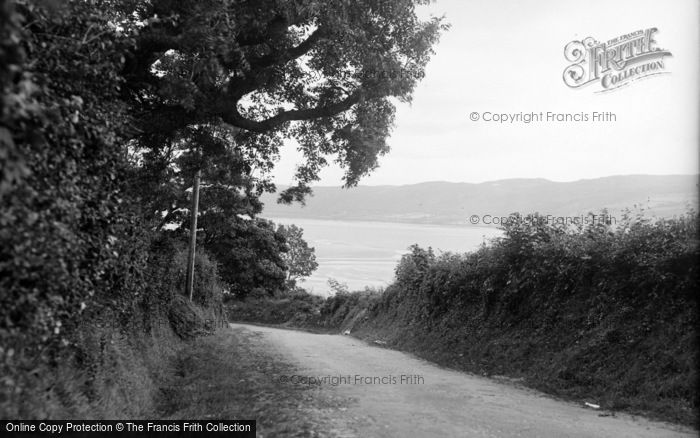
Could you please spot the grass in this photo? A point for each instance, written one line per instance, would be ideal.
(109, 374)
(229, 375)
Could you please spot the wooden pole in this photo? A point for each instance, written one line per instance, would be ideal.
(193, 235)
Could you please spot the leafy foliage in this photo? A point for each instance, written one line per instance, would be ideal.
(249, 253)
(64, 234)
(320, 72)
(300, 259)
(72, 247)
(338, 288)
(17, 104)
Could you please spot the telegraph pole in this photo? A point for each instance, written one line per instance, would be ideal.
(193, 234)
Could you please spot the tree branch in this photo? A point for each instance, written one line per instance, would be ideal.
(293, 53)
(234, 117)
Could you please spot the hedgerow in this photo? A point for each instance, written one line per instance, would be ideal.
(595, 310)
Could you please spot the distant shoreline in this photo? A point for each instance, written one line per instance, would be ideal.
(465, 224)
(455, 204)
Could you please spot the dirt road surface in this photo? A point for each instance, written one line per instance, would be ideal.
(393, 394)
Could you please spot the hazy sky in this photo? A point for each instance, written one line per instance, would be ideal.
(507, 56)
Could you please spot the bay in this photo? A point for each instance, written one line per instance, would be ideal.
(362, 254)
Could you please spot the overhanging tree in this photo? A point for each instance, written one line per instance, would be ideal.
(325, 73)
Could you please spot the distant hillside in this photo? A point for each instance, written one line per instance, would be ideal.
(454, 203)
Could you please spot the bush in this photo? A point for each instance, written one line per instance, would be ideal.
(296, 308)
(249, 253)
(586, 311)
(207, 287)
(344, 309)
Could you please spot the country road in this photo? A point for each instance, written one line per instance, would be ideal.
(393, 394)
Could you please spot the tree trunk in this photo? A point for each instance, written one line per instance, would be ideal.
(193, 235)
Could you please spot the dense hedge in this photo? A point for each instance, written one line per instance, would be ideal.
(68, 239)
(536, 267)
(78, 262)
(597, 312)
